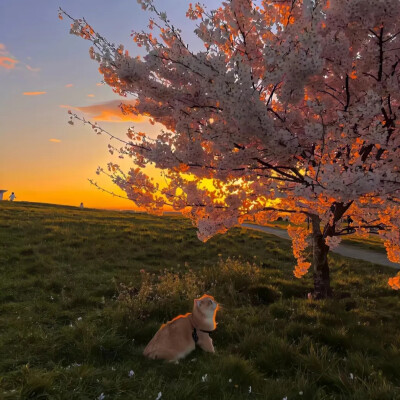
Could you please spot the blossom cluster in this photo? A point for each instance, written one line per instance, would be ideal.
(289, 108)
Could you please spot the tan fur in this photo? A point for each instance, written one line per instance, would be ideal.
(174, 340)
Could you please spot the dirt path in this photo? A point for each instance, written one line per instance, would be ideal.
(343, 249)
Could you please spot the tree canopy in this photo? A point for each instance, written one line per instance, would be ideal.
(290, 110)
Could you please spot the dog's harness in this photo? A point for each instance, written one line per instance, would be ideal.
(196, 337)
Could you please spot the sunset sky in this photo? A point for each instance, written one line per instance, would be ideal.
(44, 71)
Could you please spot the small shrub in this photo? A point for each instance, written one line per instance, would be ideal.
(234, 271)
(230, 279)
(164, 293)
(241, 371)
(263, 294)
(276, 357)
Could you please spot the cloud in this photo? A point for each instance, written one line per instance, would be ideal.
(7, 60)
(90, 95)
(69, 85)
(109, 112)
(99, 84)
(28, 67)
(33, 93)
(55, 140)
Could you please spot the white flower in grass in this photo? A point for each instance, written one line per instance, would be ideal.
(131, 373)
(301, 393)
(351, 376)
(285, 398)
(230, 380)
(101, 397)
(249, 389)
(159, 396)
(204, 378)
(79, 318)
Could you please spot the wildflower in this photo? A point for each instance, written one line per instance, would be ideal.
(351, 376)
(301, 393)
(204, 378)
(285, 398)
(249, 389)
(79, 318)
(230, 380)
(131, 373)
(159, 396)
(101, 397)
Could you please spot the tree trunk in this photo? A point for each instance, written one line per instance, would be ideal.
(322, 287)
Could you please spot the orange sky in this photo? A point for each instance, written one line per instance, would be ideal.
(42, 157)
(60, 171)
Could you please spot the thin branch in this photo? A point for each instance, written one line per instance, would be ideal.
(380, 70)
(352, 229)
(347, 93)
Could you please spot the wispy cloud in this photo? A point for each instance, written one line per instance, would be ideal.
(55, 140)
(90, 95)
(109, 112)
(33, 93)
(69, 85)
(7, 60)
(29, 68)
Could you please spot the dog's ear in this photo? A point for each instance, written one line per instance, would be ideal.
(198, 303)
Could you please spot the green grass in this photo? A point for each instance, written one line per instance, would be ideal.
(68, 332)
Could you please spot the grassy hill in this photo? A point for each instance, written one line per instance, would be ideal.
(70, 330)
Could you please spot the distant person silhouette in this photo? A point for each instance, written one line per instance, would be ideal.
(81, 205)
(12, 197)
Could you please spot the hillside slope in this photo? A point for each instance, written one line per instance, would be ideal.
(69, 330)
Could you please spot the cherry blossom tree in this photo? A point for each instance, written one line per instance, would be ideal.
(290, 110)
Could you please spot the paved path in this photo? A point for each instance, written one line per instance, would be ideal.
(343, 249)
